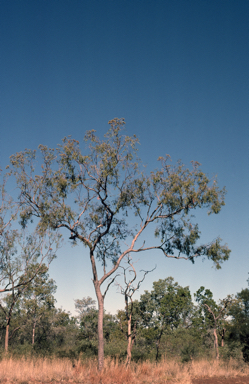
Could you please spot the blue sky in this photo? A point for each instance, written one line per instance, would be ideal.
(177, 71)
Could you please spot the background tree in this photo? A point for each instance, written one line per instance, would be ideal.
(213, 314)
(10, 310)
(84, 306)
(38, 299)
(62, 333)
(94, 195)
(22, 257)
(128, 291)
(88, 326)
(88, 321)
(165, 307)
(239, 325)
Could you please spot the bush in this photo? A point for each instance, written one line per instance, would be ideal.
(189, 352)
(233, 350)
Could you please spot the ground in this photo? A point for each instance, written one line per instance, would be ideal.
(222, 380)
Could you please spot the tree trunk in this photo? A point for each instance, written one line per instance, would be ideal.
(134, 334)
(223, 337)
(129, 346)
(100, 327)
(216, 344)
(158, 344)
(6, 345)
(33, 333)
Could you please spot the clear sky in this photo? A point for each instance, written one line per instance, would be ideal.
(176, 70)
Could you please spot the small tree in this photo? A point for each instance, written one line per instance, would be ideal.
(38, 298)
(95, 194)
(128, 292)
(213, 314)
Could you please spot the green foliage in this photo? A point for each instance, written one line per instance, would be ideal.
(167, 305)
(106, 185)
(22, 257)
(38, 301)
(136, 318)
(205, 297)
(186, 330)
(84, 306)
(189, 352)
(239, 326)
(232, 350)
(164, 308)
(87, 336)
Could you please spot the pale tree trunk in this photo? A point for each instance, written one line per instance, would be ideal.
(6, 345)
(97, 284)
(216, 344)
(7, 336)
(33, 332)
(100, 327)
(129, 345)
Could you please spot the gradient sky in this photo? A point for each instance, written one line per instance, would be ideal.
(177, 71)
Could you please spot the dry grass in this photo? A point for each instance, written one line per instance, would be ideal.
(231, 368)
(27, 371)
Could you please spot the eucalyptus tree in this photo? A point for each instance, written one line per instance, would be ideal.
(106, 201)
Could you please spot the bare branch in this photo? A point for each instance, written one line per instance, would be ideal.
(108, 286)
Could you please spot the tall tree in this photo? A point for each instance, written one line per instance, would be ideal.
(94, 195)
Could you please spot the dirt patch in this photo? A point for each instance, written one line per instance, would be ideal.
(222, 380)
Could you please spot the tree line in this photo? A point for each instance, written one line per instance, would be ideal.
(105, 199)
(165, 321)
